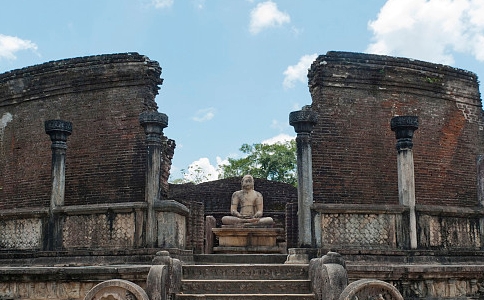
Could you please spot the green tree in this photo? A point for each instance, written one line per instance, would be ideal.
(274, 162)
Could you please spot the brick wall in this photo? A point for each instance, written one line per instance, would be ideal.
(354, 157)
(102, 96)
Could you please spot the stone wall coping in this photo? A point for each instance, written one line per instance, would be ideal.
(247, 230)
(75, 75)
(416, 271)
(433, 210)
(359, 208)
(171, 206)
(20, 213)
(100, 208)
(427, 77)
(38, 273)
(454, 211)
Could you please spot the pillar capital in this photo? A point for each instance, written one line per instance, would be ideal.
(404, 127)
(58, 130)
(153, 121)
(303, 120)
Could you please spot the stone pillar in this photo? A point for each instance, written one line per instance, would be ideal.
(480, 179)
(58, 130)
(480, 191)
(153, 123)
(404, 127)
(303, 122)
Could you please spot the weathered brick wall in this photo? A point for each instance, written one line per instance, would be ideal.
(354, 157)
(102, 96)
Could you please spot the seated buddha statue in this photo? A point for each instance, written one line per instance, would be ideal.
(251, 206)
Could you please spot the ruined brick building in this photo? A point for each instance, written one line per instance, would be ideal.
(97, 117)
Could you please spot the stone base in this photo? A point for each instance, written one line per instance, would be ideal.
(247, 240)
(297, 256)
(247, 250)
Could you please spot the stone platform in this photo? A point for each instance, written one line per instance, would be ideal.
(247, 239)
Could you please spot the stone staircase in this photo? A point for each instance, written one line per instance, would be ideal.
(245, 281)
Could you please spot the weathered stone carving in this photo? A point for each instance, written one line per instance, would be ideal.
(107, 230)
(297, 256)
(358, 229)
(230, 272)
(117, 289)
(251, 206)
(404, 127)
(171, 223)
(164, 278)
(328, 276)
(21, 233)
(58, 130)
(157, 283)
(370, 289)
(303, 120)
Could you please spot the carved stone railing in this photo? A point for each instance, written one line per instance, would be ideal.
(454, 228)
(356, 226)
(96, 226)
(344, 226)
(118, 225)
(22, 229)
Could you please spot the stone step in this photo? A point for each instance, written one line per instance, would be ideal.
(247, 272)
(246, 296)
(239, 258)
(245, 286)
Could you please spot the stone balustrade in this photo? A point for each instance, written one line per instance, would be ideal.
(346, 226)
(97, 226)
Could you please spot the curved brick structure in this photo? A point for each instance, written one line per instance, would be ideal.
(103, 97)
(354, 158)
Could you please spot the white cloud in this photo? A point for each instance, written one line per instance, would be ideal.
(204, 115)
(9, 45)
(199, 4)
(429, 29)
(202, 170)
(299, 71)
(265, 15)
(281, 138)
(162, 3)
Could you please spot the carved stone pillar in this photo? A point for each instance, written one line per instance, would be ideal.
(58, 130)
(480, 179)
(404, 128)
(303, 122)
(153, 123)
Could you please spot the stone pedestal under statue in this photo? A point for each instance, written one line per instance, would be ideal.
(236, 239)
(247, 231)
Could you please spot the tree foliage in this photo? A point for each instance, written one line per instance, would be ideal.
(274, 162)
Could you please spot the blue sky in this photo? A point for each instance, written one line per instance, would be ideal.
(234, 69)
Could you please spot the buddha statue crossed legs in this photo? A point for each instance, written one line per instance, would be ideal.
(251, 206)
